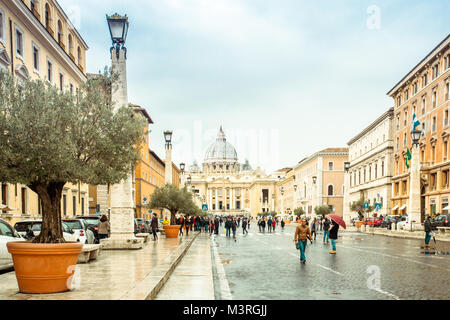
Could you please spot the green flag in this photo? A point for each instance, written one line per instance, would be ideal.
(408, 158)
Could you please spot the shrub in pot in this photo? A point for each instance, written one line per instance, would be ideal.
(49, 138)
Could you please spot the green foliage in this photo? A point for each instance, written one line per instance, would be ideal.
(53, 136)
(174, 200)
(322, 210)
(263, 214)
(299, 212)
(49, 138)
(363, 211)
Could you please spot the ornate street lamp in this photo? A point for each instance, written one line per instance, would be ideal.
(314, 179)
(118, 29)
(415, 137)
(168, 137)
(189, 179)
(295, 187)
(346, 166)
(182, 167)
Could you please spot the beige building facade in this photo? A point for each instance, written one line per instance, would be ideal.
(37, 41)
(320, 181)
(370, 171)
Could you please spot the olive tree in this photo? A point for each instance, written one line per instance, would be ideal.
(49, 138)
(322, 210)
(299, 212)
(175, 200)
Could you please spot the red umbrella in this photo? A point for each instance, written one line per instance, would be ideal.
(338, 220)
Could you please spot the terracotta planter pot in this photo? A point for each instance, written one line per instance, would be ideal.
(172, 231)
(358, 224)
(287, 222)
(44, 268)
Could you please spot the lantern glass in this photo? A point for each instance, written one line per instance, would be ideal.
(314, 179)
(118, 27)
(182, 166)
(346, 166)
(415, 136)
(168, 136)
(295, 187)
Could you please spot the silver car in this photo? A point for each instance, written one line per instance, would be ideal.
(7, 234)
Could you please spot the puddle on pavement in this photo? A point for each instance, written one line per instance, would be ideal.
(227, 261)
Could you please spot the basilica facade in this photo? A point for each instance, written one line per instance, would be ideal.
(231, 188)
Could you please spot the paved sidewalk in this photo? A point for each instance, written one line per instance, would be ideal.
(193, 277)
(116, 274)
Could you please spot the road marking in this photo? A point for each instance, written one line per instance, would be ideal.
(223, 282)
(387, 293)
(326, 268)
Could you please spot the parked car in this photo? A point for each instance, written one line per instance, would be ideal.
(403, 223)
(7, 234)
(141, 225)
(92, 224)
(136, 227)
(35, 227)
(442, 220)
(373, 222)
(81, 229)
(389, 220)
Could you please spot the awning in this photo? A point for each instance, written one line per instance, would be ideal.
(394, 208)
(403, 207)
(446, 208)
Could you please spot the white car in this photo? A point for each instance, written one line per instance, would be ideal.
(68, 234)
(403, 224)
(80, 228)
(7, 234)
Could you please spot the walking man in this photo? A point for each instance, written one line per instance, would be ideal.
(228, 225)
(269, 225)
(181, 222)
(428, 230)
(326, 230)
(302, 234)
(216, 225)
(244, 226)
(314, 226)
(334, 236)
(282, 224)
(234, 227)
(263, 225)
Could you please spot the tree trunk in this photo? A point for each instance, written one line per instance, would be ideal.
(50, 194)
(173, 218)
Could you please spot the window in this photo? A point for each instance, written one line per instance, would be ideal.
(406, 94)
(436, 71)
(70, 45)
(5, 230)
(79, 62)
(61, 81)
(398, 140)
(36, 58)
(64, 205)
(398, 122)
(447, 91)
(405, 122)
(47, 16)
(399, 101)
(415, 87)
(330, 190)
(330, 166)
(60, 32)
(424, 105)
(447, 61)
(2, 26)
(370, 173)
(433, 153)
(424, 80)
(434, 98)
(434, 125)
(50, 71)
(19, 42)
(74, 205)
(446, 118)
(445, 151)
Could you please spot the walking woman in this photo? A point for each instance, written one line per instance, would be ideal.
(154, 226)
(326, 230)
(302, 234)
(334, 236)
(428, 230)
(103, 228)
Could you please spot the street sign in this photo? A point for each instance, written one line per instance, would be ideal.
(150, 211)
(144, 201)
(378, 206)
(205, 207)
(366, 205)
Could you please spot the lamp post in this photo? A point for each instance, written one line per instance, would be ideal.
(122, 194)
(414, 181)
(345, 207)
(282, 200)
(295, 197)
(168, 160)
(182, 168)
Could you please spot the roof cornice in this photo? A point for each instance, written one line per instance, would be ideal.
(387, 114)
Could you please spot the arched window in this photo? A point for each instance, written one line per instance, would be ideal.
(70, 44)
(79, 57)
(47, 16)
(60, 32)
(330, 190)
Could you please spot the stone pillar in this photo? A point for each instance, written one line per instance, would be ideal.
(122, 202)
(414, 214)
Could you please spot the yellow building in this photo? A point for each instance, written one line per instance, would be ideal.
(425, 92)
(37, 40)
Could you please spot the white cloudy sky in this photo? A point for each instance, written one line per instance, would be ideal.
(285, 78)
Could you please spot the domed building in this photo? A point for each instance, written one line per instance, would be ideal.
(228, 187)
